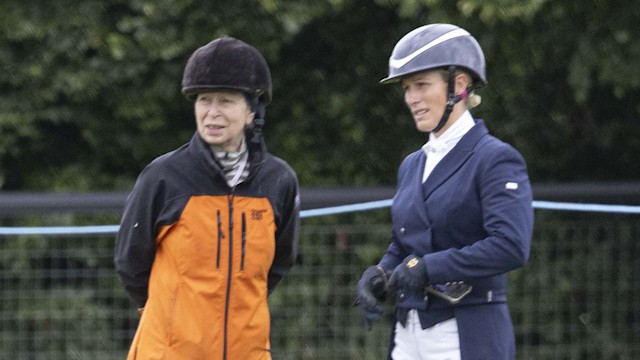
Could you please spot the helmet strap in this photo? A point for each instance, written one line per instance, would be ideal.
(258, 122)
(452, 99)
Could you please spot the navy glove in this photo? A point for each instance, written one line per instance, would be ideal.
(410, 276)
(371, 291)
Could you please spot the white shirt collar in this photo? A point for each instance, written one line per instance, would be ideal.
(449, 139)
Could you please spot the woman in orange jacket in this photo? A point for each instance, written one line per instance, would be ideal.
(211, 227)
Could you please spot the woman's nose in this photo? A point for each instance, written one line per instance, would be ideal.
(213, 110)
(411, 96)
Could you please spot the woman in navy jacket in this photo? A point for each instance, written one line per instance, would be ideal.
(462, 214)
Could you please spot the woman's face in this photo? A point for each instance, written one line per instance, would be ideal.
(425, 94)
(221, 117)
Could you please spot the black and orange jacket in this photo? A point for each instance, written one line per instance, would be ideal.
(201, 257)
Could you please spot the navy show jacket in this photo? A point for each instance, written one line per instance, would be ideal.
(471, 221)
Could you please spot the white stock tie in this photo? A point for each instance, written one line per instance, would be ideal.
(435, 146)
(435, 149)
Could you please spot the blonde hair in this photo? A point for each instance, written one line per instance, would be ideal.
(472, 100)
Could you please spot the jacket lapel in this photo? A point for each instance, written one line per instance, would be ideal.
(408, 200)
(455, 158)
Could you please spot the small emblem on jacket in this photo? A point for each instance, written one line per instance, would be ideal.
(511, 186)
(413, 262)
(257, 214)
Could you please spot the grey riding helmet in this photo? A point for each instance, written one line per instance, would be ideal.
(437, 46)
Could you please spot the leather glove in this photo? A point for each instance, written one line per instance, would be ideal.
(371, 291)
(410, 276)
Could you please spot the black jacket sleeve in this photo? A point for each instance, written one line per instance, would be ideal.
(135, 243)
(288, 230)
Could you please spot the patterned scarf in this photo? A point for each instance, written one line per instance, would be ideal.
(232, 162)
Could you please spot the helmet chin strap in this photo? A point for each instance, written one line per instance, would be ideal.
(452, 99)
(258, 122)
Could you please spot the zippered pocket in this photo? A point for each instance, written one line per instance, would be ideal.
(220, 237)
(244, 240)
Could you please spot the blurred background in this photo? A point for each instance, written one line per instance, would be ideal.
(90, 93)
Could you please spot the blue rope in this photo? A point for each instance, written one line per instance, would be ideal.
(372, 205)
(620, 209)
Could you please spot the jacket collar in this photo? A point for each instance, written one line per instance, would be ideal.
(455, 158)
(203, 152)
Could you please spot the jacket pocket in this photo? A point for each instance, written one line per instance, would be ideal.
(244, 240)
(220, 237)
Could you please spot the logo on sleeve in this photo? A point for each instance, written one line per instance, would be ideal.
(511, 186)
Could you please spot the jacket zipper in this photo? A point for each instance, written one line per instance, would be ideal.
(244, 240)
(229, 277)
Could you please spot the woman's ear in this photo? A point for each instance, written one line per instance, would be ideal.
(461, 82)
(250, 118)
